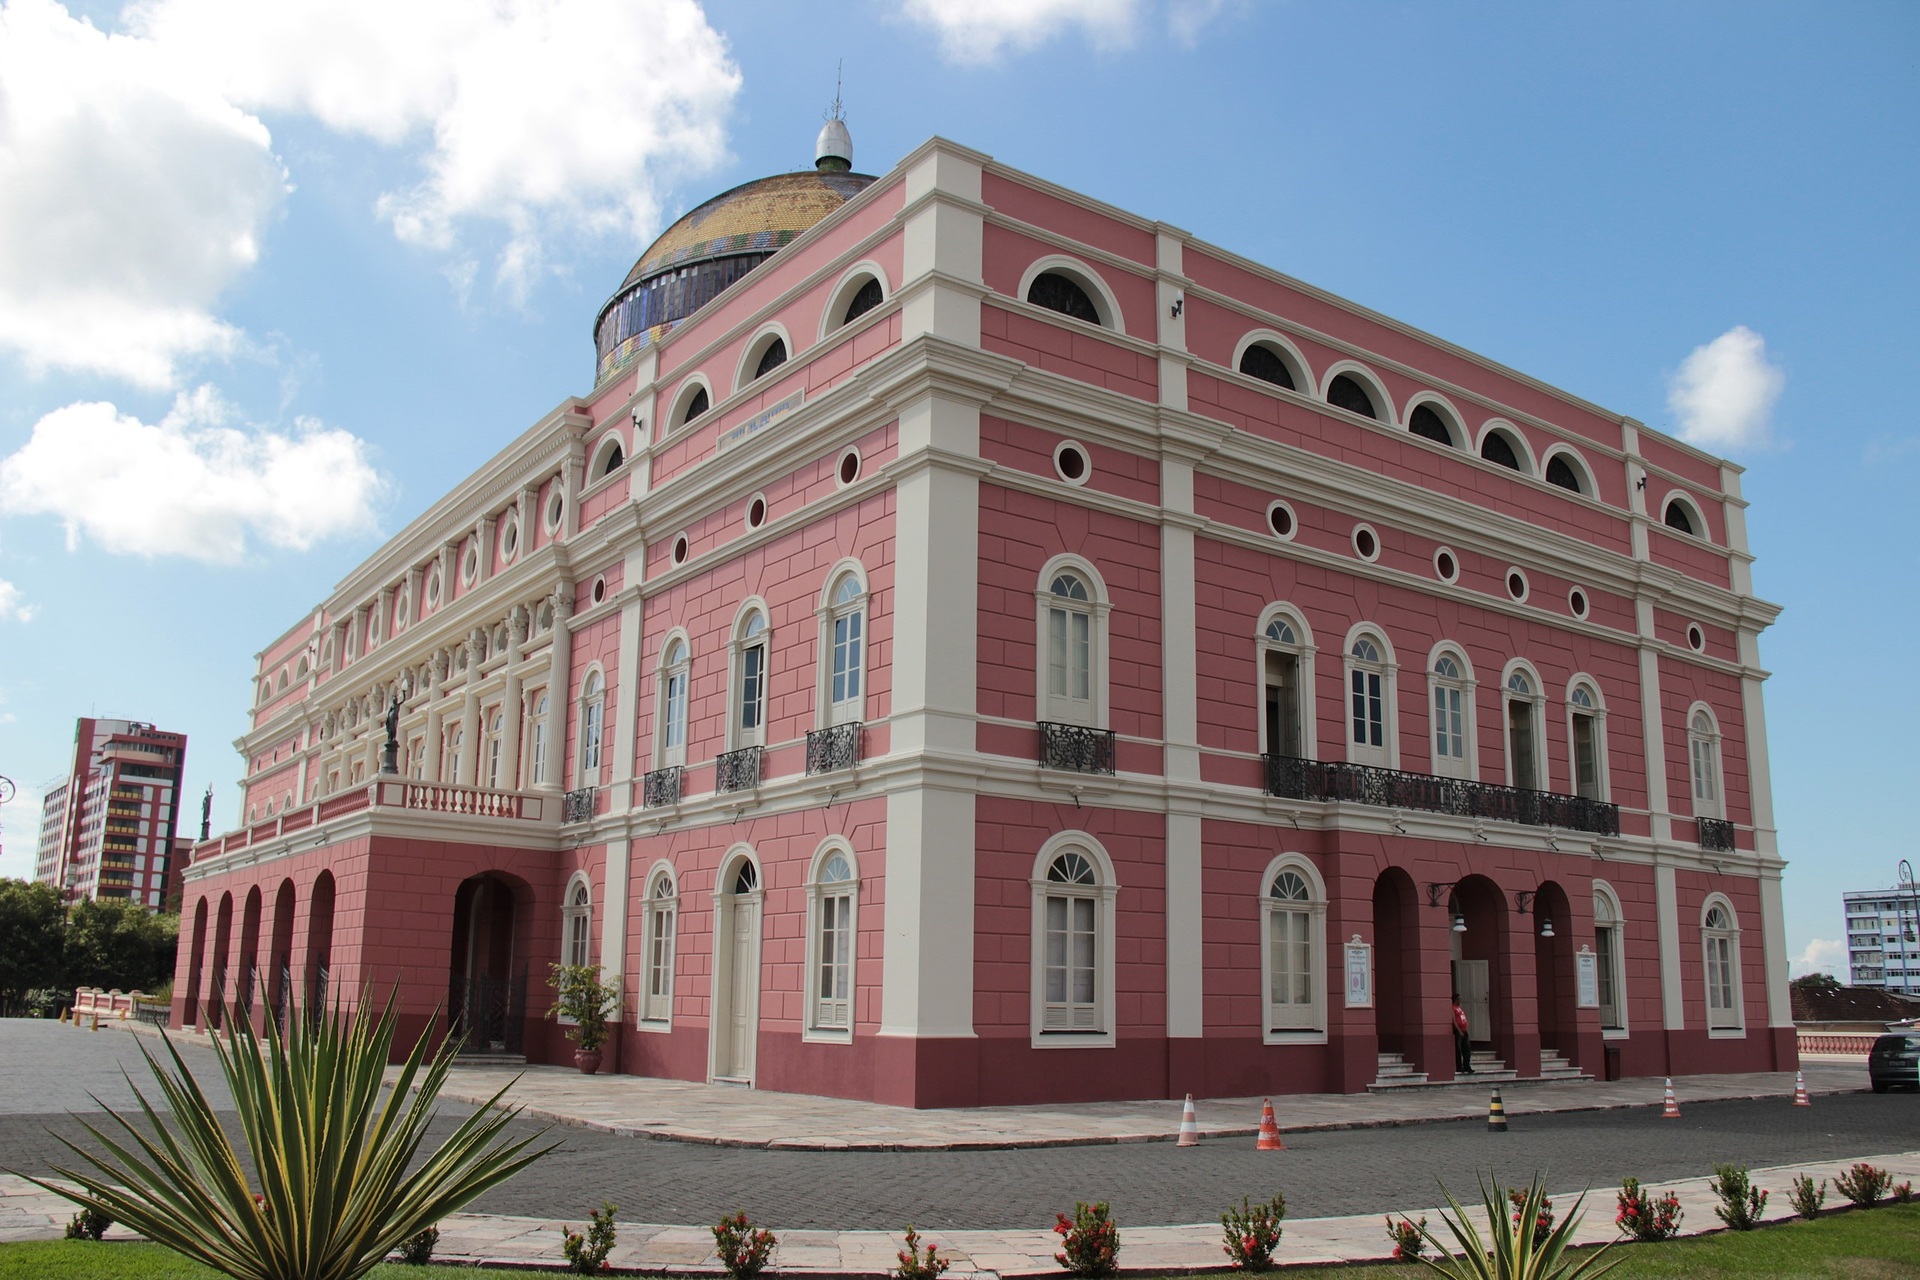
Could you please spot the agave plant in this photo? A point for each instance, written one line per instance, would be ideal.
(334, 1193)
(1515, 1247)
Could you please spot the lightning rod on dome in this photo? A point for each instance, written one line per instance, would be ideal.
(833, 149)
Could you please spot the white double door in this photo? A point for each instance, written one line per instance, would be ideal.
(736, 1013)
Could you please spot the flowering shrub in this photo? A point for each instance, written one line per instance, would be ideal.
(1543, 1224)
(417, 1249)
(1807, 1196)
(1863, 1184)
(1089, 1242)
(1903, 1194)
(1252, 1232)
(587, 1253)
(1741, 1203)
(915, 1267)
(88, 1224)
(744, 1249)
(1409, 1242)
(1645, 1217)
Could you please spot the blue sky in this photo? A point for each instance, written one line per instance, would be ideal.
(340, 253)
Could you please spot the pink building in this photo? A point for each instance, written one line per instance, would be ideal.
(974, 644)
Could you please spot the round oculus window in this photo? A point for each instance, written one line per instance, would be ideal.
(756, 511)
(1696, 638)
(1366, 544)
(1280, 520)
(470, 566)
(1516, 584)
(1446, 566)
(1070, 463)
(510, 540)
(1577, 602)
(680, 549)
(849, 469)
(433, 588)
(556, 507)
(599, 589)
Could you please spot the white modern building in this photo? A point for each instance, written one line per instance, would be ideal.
(1883, 939)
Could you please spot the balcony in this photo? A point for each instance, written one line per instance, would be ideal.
(737, 770)
(1295, 779)
(661, 787)
(1715, 834)
(833, 748)
(1075, 748)
(577, 805)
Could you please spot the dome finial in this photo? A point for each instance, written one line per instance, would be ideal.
(833, 149)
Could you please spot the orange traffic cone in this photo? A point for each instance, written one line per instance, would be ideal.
(1669, 1109)
(1269, 1139)
(1800, 1098)
(1189, 1126)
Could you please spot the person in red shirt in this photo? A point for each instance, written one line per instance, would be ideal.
(1462, 1046)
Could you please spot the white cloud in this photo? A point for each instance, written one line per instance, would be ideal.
(522, 120)
(13, 609)
(131, 197)
(1823, 955)
(192, 485)
(1724, 393)
(984, 30)
(1189, 19)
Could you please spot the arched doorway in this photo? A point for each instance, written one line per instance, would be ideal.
(1553, 970)
(196, 963)
(736, 970)
(319, 942)
(222, 952)
(247, 966)
(280, 956)
(1396, 965)
(487, 982)
(1477, 919)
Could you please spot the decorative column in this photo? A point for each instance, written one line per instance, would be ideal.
(515, 704)
(436, 733)
(559, 692)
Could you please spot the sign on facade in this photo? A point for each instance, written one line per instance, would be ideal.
(1359, 974)
(1587, 966)
(761, 421)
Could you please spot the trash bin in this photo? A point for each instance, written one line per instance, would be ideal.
(1613, 1062)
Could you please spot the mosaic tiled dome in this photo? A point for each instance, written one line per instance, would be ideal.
(710, 248)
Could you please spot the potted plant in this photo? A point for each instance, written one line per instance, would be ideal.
(582, 998)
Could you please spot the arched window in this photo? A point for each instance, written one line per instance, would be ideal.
(1562, 473)
(657, 949)
(675, 667)
(1497, 447)
(1452, 715)
(593, 706)
(1523, 732)
(696, 406)
(1073, 900)
(1720, 937)
(1427, 423)
(1703, 750)
(576, 926)
(865, 299)
(843, 645)
(1262, 362)
(1370, 702)
(450, 768)
(1295, 948)
(537, 767)
(496, 740)
(417, 758)
(750, 680)
(833, 890)
(1055, 292)
(1678, 517)
(772, 358)
(615, 459)
(1286, 678)
(1587, 740)
(1072, 645)
(1609, 958)
(1345, 392)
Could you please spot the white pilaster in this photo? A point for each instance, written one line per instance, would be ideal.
(1666, 902)
(927, 957)
(941, 271)
(1652, 731)
(1773, 947)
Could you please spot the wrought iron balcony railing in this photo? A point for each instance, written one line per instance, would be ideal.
(578, 805)
(1296, 779)
(661, 787)
(835, 747)
(1715, 834)
(1075, 747)
(737, 770)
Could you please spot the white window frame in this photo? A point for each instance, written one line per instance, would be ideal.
(1312, 1017)
(853, 708)
(593, 711)
(661, 920)
(1103, 893)
(541, 703)
(1302, 650)
(576, 921)
(739, 734)
(1465, 689)
(671, 709)
(726, 902)
(1387, 754)
(1703, 754)
(1105, 303)
(819, 1026)
(1097, 609)
(1722, 1023)
(754, 351)
(1535, 696)
(1598, 714)
(844, 291)
(455, 742)
(1604, 896)
(496, 746)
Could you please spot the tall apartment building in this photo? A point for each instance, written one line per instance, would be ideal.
(974, 644)
(107, 828)
(1883, 939)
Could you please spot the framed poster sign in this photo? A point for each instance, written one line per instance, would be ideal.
(1587, 970)
(1359, 974)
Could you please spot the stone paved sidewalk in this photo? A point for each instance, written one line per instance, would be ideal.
(28, 1213)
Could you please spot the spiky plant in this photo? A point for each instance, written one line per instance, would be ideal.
(333, 1194)
(1515, 1248)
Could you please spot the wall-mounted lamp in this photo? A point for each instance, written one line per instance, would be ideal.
(1523, 898)
(1459, 922)
(1546, 926)
(1179, 305)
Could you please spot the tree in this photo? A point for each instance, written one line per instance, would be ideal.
(32, 923)
(1816, 984)
(116, 942)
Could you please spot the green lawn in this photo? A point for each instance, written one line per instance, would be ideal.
(1876, 1245)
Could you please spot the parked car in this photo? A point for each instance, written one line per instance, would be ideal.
(1895, 1061)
